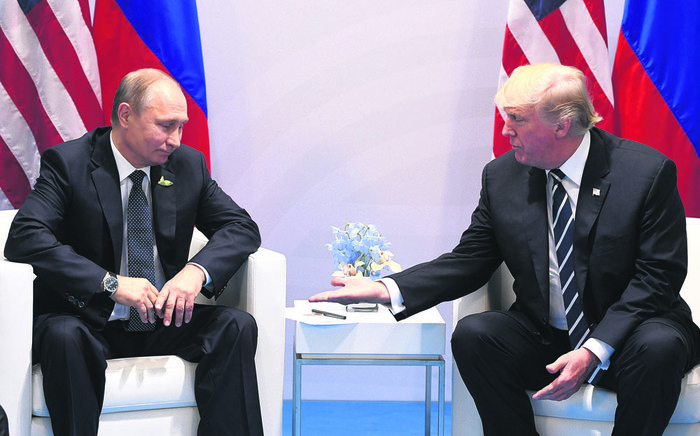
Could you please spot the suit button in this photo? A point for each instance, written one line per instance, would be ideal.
(81, 304)
(71, 299)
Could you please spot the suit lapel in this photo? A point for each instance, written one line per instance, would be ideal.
(592, 195)
(105, 176)
(164, 195)
(536, 225)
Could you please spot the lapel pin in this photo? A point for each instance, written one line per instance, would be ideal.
(596, 192)
(163, 182)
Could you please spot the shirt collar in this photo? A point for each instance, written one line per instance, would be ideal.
(124, 167)
(573, 167)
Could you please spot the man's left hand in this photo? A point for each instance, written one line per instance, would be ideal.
(177, 296)
(574, 368)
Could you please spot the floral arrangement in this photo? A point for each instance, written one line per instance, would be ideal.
(359, 250)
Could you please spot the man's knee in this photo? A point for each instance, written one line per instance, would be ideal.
(66, 333)
(658, 347)
(472, 333)
(238, 324)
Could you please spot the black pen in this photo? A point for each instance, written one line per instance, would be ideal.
(329, 314)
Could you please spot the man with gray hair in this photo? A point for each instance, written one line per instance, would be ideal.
(107, 229)
(592, 228)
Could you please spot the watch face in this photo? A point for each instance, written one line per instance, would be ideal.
(111, 284)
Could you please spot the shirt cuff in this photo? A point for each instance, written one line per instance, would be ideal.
(602, 351)
(397, 305)
(207, 279)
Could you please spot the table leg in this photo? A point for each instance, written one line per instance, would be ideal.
(296, 400)
(441, 400)
(428, 397)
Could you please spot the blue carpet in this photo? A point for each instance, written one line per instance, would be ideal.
(364, 418)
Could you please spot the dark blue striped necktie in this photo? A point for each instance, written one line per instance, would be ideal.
(563, 223)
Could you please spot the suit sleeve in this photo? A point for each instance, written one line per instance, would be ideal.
(232, 233)
(38, 231)
(457, 273)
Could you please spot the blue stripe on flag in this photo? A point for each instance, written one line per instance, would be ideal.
(171, 30)
(663, 36)
(27, 5)
(542, 8)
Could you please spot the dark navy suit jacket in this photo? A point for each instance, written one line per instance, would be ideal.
(70, 229)
(630, 242)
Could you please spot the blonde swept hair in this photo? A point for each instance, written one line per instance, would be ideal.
(557, 92)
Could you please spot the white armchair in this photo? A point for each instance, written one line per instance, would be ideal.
(144, 395)
(591, 411)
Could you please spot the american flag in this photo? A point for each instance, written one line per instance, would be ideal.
(570, 32)
(49, 86)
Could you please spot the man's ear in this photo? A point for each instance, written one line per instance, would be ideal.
(124, 113)
(562, 128)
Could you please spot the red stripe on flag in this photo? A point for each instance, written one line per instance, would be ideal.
(597, 10)
(513, 55)
(66, 64)
(13, 180)
(501, 144)
(23, 92)
(123, 43)
(85, 9)
(643, 110)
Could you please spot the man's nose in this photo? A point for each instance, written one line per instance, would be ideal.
(507, 129)
(174, 138)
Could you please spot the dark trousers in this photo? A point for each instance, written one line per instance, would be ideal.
(500, 354)
(222, 340)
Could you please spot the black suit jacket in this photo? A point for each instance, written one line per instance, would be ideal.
(630, 243)
(70, 229)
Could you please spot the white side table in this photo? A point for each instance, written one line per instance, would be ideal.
(374, 338)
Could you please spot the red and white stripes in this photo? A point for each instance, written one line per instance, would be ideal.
(49, 86)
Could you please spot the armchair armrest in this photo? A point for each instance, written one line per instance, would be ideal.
(16, 297)
(259, 287)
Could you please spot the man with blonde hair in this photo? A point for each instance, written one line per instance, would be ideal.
(592, 228)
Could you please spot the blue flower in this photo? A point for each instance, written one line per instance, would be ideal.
(359, 249)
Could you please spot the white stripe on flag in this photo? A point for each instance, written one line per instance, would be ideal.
(18, 136)
(70, 17)
(57, 102)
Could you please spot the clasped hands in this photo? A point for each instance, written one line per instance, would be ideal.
(174, 301)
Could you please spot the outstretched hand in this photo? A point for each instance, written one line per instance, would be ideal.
(354, 291)
(574, 368)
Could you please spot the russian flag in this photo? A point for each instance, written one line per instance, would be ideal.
(162, 34)
(657, 91)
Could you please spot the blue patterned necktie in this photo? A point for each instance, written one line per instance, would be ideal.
(563, 223)
(139, 231)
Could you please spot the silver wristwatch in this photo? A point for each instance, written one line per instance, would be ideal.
(110, 284)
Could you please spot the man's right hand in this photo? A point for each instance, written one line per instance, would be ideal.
(138, 293)
(354, 291)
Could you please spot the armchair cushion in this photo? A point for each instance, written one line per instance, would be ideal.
(137, 383)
